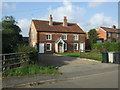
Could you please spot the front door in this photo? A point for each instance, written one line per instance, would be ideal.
(41, 48)
(60, 48)
(81, 47)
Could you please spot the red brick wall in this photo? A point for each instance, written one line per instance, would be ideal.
(102, 33)
(113, 35)
(70, 40)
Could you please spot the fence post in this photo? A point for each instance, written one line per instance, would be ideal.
(3, 63)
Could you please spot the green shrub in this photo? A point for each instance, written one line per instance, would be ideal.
(111, 40)
(97, 47)
(32, 53)
(107, 46)
(25, 48)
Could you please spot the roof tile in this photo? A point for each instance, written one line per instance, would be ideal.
(42, 25)
(111, 29)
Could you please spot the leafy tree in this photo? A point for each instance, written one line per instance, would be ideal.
(9, 22)
(10, 34)
(93, 36)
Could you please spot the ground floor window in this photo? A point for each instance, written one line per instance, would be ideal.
(48, 47)
(75, 46)
(99, 41)
(65, 46)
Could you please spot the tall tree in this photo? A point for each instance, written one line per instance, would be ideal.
(9, 22)
(10, 34)
(93, 36)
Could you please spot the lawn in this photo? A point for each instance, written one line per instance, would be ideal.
(88, 55)
(31, 70)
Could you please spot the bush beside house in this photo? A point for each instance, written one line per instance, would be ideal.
(32, 52)
(106, 47)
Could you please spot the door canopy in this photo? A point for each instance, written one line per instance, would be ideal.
(56, 45)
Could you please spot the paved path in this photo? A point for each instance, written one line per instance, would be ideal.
(75, 71)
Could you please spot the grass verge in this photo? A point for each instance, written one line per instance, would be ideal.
(90, 55)
(76, 54)
(31, 70)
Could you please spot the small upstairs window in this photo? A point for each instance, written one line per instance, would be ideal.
(64, 37)
(117, 35)
(75, 37)
(48, 36)
(108, 34)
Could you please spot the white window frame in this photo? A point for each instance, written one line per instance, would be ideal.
(65, 45)
(117, 35)
(65, 36)
(50, 37)
(76, 37)
(99, 41)
(50, 47)
(74, 46)
(108, 34)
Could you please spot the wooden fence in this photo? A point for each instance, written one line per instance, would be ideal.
(13, 60)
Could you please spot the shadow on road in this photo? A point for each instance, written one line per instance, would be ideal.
(54, 60)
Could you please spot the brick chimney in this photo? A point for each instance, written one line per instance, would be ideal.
(50, 20)
(114, 27)
(65, 21)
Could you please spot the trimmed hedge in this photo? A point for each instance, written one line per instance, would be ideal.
(106, 47)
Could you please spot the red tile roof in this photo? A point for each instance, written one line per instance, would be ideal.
(111, 29)
(42, 25)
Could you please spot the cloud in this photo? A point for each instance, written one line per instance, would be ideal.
(97, 3)
(24, 24)
(98, 20)
(8, 6)
(94, 4)
(73, 13)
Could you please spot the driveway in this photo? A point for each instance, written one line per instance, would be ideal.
(76, 72)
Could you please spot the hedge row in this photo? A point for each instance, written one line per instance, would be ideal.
(107, 46)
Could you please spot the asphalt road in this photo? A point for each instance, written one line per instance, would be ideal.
(101, 80)
(84, 73)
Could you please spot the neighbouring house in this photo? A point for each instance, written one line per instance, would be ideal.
(56, 37)
(106, 33)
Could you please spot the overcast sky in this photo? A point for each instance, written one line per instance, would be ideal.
(87, 15)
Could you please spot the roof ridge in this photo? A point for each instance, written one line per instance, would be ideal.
(53, 21)
(110, 28)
